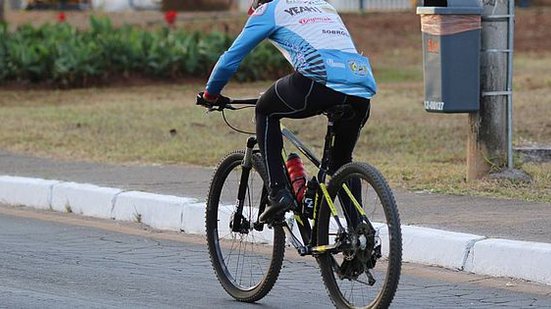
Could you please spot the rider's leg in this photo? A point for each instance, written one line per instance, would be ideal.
(347, 132)
(293, 96)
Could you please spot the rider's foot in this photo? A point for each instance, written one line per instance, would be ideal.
(280, 202)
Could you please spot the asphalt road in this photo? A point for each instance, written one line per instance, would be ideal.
(62, 261)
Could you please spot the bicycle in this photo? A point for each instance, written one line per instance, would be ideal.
(356, 241)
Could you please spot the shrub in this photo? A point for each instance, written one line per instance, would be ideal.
(65, 56)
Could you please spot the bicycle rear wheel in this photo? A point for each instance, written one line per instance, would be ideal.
(247, 263)
(364, 273)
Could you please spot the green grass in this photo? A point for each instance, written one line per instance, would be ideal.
(414, 149)
(397, 75)
(398, 65)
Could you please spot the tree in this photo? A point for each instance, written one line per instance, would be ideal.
(2, 11)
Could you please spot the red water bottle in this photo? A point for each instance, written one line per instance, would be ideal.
(297, 174)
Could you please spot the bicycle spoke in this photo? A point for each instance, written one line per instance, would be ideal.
(358, 276)
(243, 257)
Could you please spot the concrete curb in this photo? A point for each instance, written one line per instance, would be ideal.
(437, 247)
(83, 199)
(162, 212)
(511, 258)
(30, 192)
(459, 251)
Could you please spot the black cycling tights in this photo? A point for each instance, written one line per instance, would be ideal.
(298, 97)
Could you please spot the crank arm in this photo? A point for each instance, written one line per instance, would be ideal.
(295, 242)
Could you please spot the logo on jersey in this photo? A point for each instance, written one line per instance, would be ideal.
(297, 10)
(316, 20)
(336, 32)
(335, 64)
(358, 68)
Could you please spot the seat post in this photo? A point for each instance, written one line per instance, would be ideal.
(327, 149)
(333, 114)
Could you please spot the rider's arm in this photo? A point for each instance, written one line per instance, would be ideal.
(259, 26)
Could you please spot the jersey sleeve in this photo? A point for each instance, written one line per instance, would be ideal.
(259, 26)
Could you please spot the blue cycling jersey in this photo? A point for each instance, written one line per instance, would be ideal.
(312, 37)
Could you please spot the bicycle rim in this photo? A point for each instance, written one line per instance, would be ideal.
(247, 263)
(360, 277)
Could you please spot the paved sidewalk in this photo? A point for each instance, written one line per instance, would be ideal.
(496, 218)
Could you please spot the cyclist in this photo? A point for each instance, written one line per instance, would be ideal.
(328, 71)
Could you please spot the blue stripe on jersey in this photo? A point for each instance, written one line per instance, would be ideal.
(305, 59)
(258, 28)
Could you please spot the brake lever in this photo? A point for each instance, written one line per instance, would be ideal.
(211, 109)
(218, 108)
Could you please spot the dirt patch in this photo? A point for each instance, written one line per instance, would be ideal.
(373, 32)
(208, 5)
(380, 33)
(112, 81)
(531, 30)
(222, 21)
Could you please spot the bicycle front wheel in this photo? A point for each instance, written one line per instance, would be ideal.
(247, 259)
(363, 269)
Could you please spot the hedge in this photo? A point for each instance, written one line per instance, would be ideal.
(65, 56)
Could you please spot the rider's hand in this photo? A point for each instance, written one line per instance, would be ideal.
(201, 100)
(210, 98)
(204, 99)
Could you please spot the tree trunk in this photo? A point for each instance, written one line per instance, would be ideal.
(2, 17)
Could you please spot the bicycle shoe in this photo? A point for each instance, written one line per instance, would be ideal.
(280, 203)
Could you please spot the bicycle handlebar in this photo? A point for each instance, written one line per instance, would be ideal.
(223, 103)
(251, 101)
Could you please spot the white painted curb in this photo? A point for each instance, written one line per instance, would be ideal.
(436, 247)
(511, 258)
(30, 192)
(473, 253)
(193, 219)
(84, 199)
(164, 212)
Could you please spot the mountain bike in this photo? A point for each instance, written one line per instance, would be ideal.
(353, 231)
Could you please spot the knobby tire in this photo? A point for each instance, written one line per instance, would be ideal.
(250, 294)
(384, 193)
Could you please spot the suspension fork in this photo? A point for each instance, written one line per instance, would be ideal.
(246, 165)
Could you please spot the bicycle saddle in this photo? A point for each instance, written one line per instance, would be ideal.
(339, 111)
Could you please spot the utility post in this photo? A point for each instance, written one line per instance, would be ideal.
(490, 130)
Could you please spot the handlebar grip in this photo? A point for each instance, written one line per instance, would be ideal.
(220, 104)
(202, 102)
